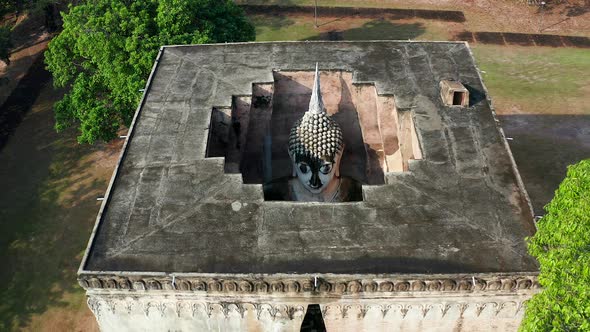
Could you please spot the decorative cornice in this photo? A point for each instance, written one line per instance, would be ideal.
(170, 308)
(297, 285)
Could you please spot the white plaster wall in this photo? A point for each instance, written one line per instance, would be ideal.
(456, 314)
(165, 313)
(168, 312)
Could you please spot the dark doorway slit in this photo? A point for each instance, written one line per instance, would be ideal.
(458, 98)
(313, 320)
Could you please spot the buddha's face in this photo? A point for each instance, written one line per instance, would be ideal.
(316, 173)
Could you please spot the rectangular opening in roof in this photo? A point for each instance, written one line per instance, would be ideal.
(458, 97)
(453, 93)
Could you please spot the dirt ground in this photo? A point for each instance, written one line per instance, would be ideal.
(29, 40)
(48, 199)
(47, 209)
(566, 18)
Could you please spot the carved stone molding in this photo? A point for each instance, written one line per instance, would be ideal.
(186, 308)
(308, 286)
(444, 310)
(192, 309)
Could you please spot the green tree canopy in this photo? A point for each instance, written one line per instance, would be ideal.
(5, 44)
(562, 246)
(107, 47)
(7, 6)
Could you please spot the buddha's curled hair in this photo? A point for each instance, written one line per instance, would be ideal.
(315, 136)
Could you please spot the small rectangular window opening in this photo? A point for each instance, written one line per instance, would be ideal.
(458, 97)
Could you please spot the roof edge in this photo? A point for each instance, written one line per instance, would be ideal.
(408, 41)
(119, 162)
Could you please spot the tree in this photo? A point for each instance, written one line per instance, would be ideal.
(107, 47)
(562, 247)
(16, 6)
(5, 44)
(6, 6)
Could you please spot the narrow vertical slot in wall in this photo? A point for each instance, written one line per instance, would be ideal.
(313, 320)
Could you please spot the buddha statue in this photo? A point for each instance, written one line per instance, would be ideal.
(315, 148)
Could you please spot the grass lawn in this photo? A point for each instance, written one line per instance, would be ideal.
(301, 27)
(541, 97)
(536, 80)
(271, 28)
(47, 209)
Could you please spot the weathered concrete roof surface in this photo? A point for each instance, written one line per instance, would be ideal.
(460, 209)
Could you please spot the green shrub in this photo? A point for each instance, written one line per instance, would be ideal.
(562, 247)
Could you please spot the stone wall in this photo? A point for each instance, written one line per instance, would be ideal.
(487, 303)
(462, 313)
(168, 312)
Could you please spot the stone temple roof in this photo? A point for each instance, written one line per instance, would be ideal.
(461, 209)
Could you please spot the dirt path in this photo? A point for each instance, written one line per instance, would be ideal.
(29, 40)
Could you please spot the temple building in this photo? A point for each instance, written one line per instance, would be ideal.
(300, 186)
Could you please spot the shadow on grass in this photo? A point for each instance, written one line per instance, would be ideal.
(22, 97)
(273, 22)
(363, 12)
(543, 146)
(47, 208)
(523, 39)
(376, 30)
(385, 30)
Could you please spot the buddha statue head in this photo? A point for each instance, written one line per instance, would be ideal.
(316, 146)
